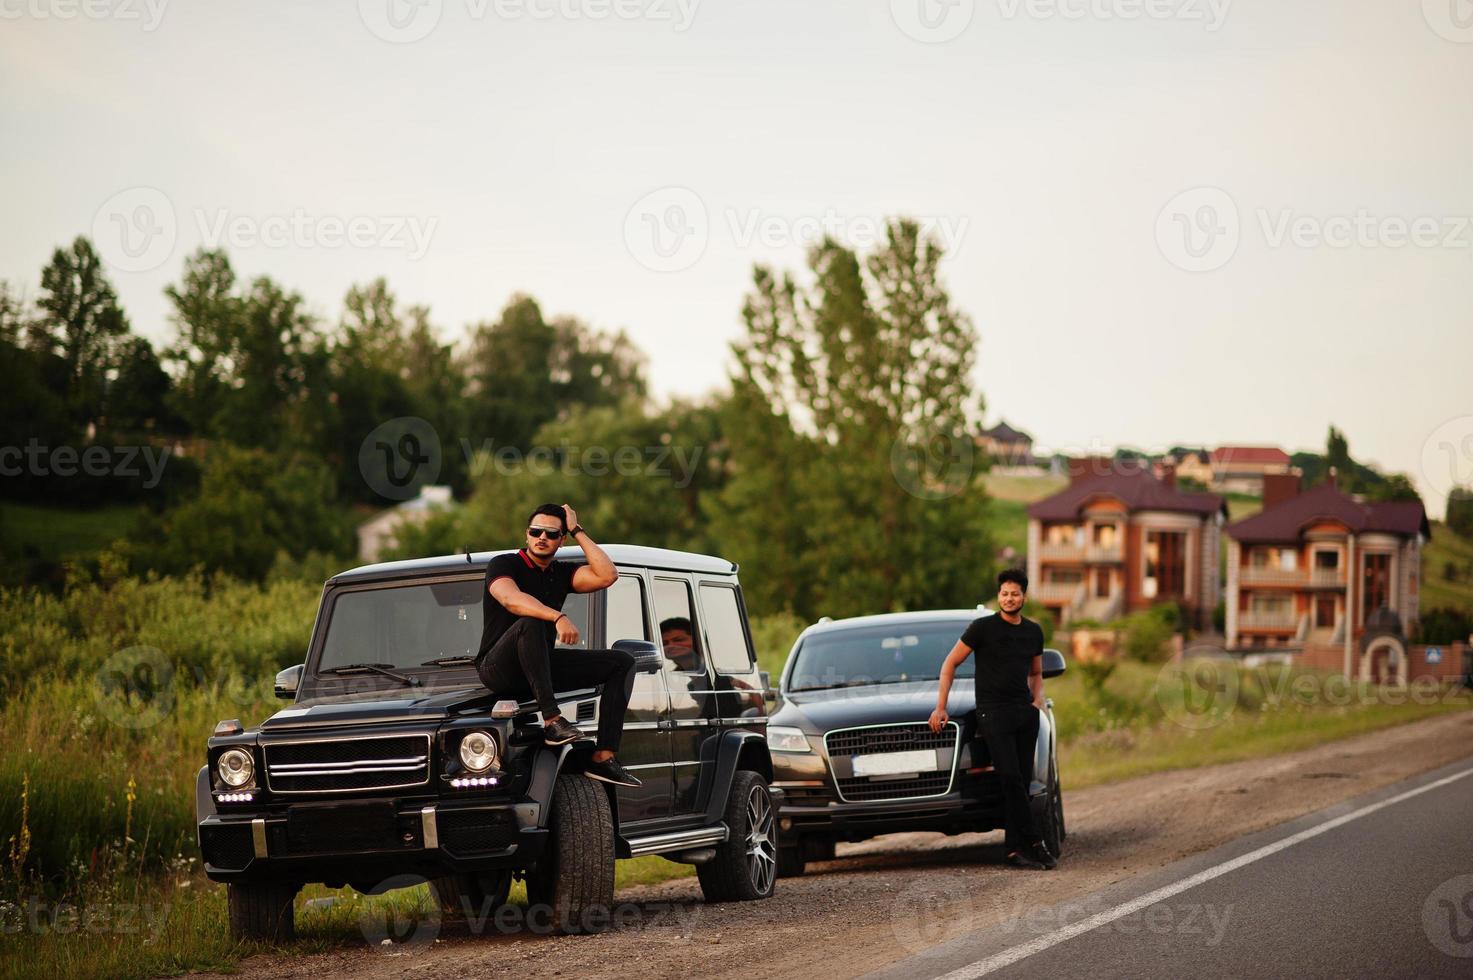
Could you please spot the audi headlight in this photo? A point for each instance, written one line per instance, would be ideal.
(236, 767)
(478, 751)
(783, 739)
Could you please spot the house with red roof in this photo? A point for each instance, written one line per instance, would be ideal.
(1312, 569)
(1241, 469)
(1119, 539)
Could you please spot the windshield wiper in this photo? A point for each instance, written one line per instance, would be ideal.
(377, 669)
(459, 661)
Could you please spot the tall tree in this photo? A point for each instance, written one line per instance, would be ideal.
(853, 404)
(207, 321)
(81, 321)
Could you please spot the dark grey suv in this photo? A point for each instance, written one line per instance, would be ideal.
(394, 760)
(854, 755)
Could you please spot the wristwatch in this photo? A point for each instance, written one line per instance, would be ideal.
(577, 530)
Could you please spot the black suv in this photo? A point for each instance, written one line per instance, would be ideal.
(394, 760)
(855, 757)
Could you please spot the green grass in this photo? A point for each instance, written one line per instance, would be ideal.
(1022, 489)
(1438, 591)
(60, 534)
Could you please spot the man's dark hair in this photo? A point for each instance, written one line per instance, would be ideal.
(551, 510)
(676, 623)
(1014, 575)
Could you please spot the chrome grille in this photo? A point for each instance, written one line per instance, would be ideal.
(346, 765)
(893, 738)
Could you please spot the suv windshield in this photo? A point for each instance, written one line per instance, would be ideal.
(406, 625)
(866, 655)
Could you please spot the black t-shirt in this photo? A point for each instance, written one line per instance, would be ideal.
(549, 586)
(1004, 654)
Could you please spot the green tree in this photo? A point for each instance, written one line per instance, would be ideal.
(523, 371)
(81, 321)
(854, 406)
(207, 321)
(251, 505)
(138, 395)
(1460, 511)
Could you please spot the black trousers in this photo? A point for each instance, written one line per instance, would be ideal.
(1011, 733)
(523, 663)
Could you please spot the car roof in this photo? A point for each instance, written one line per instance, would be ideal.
(620, 554)
(897, 619)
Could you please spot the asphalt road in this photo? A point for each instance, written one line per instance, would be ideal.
(1380, 885)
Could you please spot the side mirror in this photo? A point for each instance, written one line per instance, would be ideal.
(647, 659)
(287, 682)
(768, 694)
(1053, 663)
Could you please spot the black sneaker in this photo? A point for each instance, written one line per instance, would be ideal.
(561, 732)
(1043, 855)
(609, 771)
(1021, 859)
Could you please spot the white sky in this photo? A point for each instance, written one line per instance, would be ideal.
(1047, 136)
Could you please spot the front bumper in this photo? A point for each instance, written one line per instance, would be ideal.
(974, 804)
(368, 841)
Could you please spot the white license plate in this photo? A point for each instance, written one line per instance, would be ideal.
(894, 763)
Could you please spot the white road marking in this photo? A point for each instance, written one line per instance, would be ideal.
(1010, 956)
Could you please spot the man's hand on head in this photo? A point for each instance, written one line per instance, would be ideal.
(570, 518)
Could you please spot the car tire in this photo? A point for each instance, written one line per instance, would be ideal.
(790, 861)
(745, 866)
(574, 877)
(1053, 813)
(262, 911)
(465, 895)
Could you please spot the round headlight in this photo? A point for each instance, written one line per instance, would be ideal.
(236, 767)
(478, 751)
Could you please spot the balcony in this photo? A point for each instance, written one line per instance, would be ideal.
(1104, 553)
(1267, 620)
(1068, 593)
(1252, 575)
(1327, 578)
(1052, 551)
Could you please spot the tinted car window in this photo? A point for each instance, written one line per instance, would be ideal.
(409, 624)
(679, 634)
(724, 634)
(626, 610)
(867, 655)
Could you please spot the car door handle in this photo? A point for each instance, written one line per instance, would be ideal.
(664, 725)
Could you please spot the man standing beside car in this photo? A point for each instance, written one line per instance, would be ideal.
(1009, 678)
(523, 619)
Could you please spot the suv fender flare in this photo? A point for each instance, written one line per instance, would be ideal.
(735, 750)
(550, 763)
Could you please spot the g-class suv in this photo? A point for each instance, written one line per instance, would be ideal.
(394, 760)
(855, 757)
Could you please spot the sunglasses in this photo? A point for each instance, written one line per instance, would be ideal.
(537, 532)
